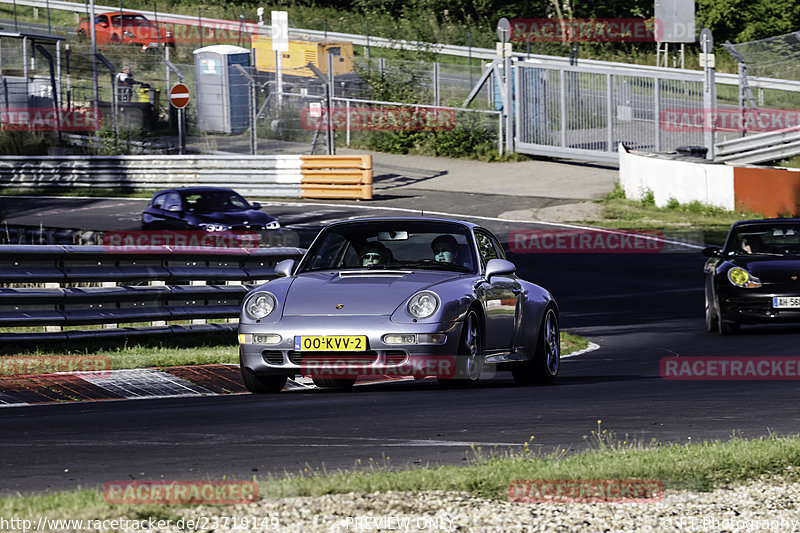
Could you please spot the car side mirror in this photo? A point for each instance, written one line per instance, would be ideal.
(284, 268)
(174, 209)
(712, 251)
(256, 205)
(103, 24)
(499, 267)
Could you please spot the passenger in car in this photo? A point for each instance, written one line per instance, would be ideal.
(445, 249)
(752, 244)
(374, 253)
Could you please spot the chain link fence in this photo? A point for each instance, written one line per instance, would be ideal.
(378, 103)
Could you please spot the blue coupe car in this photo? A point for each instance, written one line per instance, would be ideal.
(205, 209)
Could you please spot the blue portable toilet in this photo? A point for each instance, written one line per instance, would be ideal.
(222, 90)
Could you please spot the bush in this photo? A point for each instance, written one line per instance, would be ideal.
(648, 199)
(26, 143)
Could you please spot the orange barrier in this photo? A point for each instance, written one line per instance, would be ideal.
(336, 176)
(772, 191)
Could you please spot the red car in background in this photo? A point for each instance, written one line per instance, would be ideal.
(126, 28)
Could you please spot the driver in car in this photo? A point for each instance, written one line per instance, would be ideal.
(374, 253)
(445, 249)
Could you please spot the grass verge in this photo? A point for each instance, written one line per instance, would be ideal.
(697, 467)
(174, 350)
(706, 222)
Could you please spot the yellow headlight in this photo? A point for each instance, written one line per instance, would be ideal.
(739, 276)
(742, 278)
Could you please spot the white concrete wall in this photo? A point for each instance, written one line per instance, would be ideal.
(686, 181)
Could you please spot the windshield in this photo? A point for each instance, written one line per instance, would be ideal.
(778, 239)
(215, 201)
(131, 20)
(392, 244)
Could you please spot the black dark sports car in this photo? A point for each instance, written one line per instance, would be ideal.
(205, 209)
(755, 277)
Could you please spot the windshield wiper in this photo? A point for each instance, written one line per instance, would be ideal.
(759, 253)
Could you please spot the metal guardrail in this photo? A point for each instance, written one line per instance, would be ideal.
(250, 175)
(454, 50)
(297, 176)
(761, 147)
(68, 286)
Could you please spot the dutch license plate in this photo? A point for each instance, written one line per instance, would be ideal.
(779, 302)
(330, 343)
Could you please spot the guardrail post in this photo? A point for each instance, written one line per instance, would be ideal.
(198, 320)
(158, 283)
(109, 284)
(51, 329)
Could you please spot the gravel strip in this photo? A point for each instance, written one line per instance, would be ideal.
(764, 505)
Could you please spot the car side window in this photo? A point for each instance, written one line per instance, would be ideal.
(486, 247)
(173, 200)
(501, 254)
(158, 201)
(101, 19)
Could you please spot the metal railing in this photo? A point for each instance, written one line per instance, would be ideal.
(761, 147)
(56, 287)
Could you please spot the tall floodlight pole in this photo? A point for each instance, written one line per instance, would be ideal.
(94, 58)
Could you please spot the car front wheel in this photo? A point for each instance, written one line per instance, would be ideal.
(544, 366)
(711, 318)
(726, 327)
(470, 358)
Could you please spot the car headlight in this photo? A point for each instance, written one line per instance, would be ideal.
(742, 278)
(423, 304)
(215, 227)
(260, 305)
(273, 225)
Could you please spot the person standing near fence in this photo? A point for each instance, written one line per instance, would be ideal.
(125, 83)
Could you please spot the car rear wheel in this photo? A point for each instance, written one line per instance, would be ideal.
(261, 384)
(544, 366)
(334, 383)
(470, 358)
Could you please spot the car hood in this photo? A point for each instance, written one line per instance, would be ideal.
(251, 216)
(358, 292)
(770, 269)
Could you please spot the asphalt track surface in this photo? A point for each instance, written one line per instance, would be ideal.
(640, 308)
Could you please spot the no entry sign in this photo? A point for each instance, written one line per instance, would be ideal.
(179, 95)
